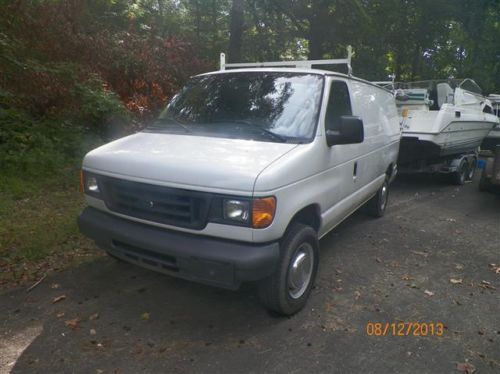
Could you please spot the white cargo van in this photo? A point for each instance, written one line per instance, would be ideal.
(242, 174)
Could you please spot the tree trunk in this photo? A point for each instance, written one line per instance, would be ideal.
(236, 31)
(397, 63)
(416, 62)
(315, 39)
(198, 21)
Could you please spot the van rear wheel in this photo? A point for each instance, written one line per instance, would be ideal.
(287, 290)
(377, 204)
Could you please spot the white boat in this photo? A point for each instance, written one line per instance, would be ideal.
(493, 138)
(442, 119)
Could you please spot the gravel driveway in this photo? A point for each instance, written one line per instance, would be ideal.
(430, 259)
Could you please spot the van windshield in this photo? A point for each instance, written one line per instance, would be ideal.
(264, 106)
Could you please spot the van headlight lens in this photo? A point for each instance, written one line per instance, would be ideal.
(236, 210)
(91, 184)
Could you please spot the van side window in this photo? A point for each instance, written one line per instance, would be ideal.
(339, 104)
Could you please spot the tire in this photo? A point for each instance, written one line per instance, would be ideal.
(375, 207)
(286, 292)
(472, 170)
(460, 176)
(484, 183)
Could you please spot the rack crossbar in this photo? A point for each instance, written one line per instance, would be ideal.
(299, 64)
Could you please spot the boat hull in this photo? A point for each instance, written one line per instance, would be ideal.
(456, 138)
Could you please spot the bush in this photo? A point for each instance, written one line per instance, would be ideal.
(34, 147)
(96, 106)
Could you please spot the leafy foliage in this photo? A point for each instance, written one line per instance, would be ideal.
(70, 68)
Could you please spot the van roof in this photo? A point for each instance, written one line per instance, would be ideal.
(293, 70)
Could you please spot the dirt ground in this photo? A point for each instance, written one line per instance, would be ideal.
(430, 259)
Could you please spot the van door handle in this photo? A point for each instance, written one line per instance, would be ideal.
(355, 171)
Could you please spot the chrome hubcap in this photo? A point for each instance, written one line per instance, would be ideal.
(471, 171)
(463, 173)
(383, 197)
(300, 271)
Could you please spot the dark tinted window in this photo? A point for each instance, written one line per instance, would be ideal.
(270, 106)
(339, 104)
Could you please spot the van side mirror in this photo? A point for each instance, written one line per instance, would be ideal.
(350, 131)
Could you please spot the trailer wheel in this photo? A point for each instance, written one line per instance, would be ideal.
(460, 176)
(287, 290)
(472, 169)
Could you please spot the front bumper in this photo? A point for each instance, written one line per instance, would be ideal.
(203, 259)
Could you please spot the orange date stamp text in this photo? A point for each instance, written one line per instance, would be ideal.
(404, 329)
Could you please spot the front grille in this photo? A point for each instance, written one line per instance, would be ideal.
(170, 206)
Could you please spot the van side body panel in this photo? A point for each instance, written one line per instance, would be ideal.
(316, 174)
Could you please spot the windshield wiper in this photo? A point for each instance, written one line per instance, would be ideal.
(254, 126)
(171, 120)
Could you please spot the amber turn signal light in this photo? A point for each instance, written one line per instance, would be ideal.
(82, 190)
(263, 210)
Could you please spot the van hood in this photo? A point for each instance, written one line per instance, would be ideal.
(219, 163)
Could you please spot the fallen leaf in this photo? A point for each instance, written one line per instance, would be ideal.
(419, 253)
(93, 332)
(73, 323)
(145, 316)
(58, 298)
(486, 284)
(328, 306)
(465, 367)
(430, 293)
(456, 280)
(93, 317)
(495, 268)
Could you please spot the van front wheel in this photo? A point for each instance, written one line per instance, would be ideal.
(287, 290)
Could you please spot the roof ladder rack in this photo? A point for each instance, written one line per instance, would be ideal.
(299, 64)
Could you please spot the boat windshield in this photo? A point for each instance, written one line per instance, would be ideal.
(258, 105)
(466, 84)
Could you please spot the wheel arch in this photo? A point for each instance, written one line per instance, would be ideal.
(309, 215)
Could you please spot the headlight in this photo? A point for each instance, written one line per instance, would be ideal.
(257, 213)
(91, 184)
(236, 210)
